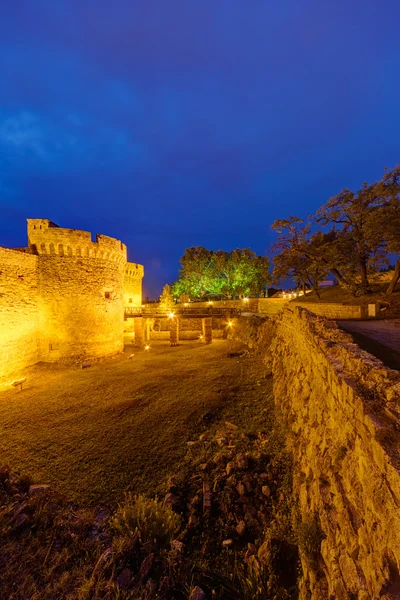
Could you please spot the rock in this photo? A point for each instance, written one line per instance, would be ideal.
(86, 366)
(203, 437)
(190, 444)
(264, 477)
(197, 594)
(231, 426)
(227, 543)
(35, 490)
(125, 579)
(221, 441)
(193, 520)
(21, 521)
(177, 546)
(146, 567)
(172, 500)
(241, 489)
(203, 466)
(248, 485)
(230, 467)
(242, 461)
(131, 356)
(266, 490)
(241, 528)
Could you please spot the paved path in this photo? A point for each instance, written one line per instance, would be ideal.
(380, 338)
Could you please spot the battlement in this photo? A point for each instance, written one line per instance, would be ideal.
(47, 238)
(133, 271)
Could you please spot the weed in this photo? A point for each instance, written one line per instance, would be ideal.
(153, 521)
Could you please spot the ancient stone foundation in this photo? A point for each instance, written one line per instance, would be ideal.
(63, 296)
(342, 409)
(207, 330)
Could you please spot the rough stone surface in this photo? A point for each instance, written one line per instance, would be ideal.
(39, 488)
(197, 594)
(342, 408)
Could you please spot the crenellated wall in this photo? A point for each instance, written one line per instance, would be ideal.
(133, 284)
(342, 410)
(63, 296)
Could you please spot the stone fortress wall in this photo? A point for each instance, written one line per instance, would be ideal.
(19, 310)
(63, 296)
(341, 407)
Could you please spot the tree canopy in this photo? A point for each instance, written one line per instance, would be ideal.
(167, 301)
(237, 273)
(350, 236)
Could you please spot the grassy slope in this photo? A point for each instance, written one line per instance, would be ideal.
(60, 551)
(93, 433)
(344, 296)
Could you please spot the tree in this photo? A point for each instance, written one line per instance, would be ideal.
(297, 254)
(389, 218)
(241, 272)
(237, 273)
(198, 275)
(357, 245)
(167, 301)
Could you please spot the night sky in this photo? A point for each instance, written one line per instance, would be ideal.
(174, 123)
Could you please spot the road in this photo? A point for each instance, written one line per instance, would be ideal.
(380, 338)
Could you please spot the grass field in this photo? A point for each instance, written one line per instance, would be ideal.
(120, 424)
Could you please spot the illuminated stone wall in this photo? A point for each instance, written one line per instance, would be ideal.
(65, 294)
(19, 313)
(342, 409)
(133, 285)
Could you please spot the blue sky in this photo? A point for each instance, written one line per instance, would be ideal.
(174, 123)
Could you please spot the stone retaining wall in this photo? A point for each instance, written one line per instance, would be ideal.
(342, 409)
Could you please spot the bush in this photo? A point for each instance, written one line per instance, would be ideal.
(151, 520)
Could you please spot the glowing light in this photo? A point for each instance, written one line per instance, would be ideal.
(171, 315)
(201, 337)
(230, 323)
(210, 303)
(185, 304)
(245, 299)
(147, 347)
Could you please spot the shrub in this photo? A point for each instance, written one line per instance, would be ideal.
(151, 520)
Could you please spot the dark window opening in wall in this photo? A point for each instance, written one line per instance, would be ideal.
(107, 295)
(130, 300)
(54, 346)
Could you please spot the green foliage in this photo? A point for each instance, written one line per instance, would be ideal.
(151, 520)
(167, 301)
(237, 273)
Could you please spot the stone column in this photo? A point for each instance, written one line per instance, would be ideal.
(142, 331)
(206, 325)
(174, 331)
(138, 329)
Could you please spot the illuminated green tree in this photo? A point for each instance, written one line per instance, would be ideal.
(237, 273)
(167, 301)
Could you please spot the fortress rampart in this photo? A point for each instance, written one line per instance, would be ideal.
(63, 296)
(341, 407)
